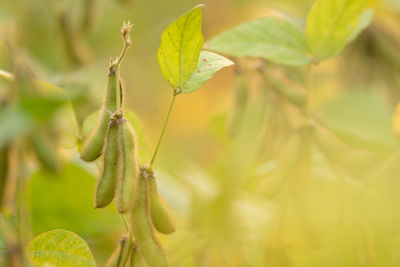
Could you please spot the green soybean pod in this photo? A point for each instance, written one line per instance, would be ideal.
(93, 146)
(128, 179)
(4, 165)
(142, 229)
(136, 258)
(44, 150)
(287, 161)
(105, 188)
(160, 212)
(120, 254)
(239, 105)
(287, 89)
(330, 145)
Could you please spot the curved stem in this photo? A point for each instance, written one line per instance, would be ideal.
(163, 130)
(124, 222)
(309, 88)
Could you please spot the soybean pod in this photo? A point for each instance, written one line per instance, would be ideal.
(105, 188)
(161, 214)
(93, 146)
(287, 161)
(290, 91)
(120, 254)
(142, 229)
(127, 180)
(136, 258)
(239, 105)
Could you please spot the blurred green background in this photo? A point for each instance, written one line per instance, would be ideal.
(222, 183)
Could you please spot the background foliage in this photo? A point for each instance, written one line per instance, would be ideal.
(218, 177)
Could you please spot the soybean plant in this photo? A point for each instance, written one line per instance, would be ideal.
(123, 178)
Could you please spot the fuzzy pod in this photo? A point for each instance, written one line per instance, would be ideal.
(239, 106)
(93, 146)
(287, 89)
(330, 145)
(120, 254)
(142, 229)
(45, 151)
(105, 188)
(128, 178)
(161, 214)
(288, 160)
(4, 166)
(136, 259)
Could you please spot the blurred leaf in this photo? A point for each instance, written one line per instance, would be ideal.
(66, 119)
(331, 25)
(51, 98)
(66, 201)
(364, 21)
(209, 63)
(60, 248)
(144, 153)
(363, 114)
(180, 48)
(396, 121)
(41, 108)
(275, 39)
(13, 122)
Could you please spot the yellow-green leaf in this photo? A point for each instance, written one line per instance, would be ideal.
(331, 25)
(60, 248)
(275, 39)
(180, 48)
(209, 64)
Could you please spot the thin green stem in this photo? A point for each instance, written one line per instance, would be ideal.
(124, 223)
(309, 88)
(163, 130)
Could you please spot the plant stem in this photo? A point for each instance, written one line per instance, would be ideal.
(309, 90)
(163, 130)
(124, 223)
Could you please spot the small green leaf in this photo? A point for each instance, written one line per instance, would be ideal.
(180, 48)
(275, 39)
(331, 25)
(14, 122)
(209, 64)
(60, 248)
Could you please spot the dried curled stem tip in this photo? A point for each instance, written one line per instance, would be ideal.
(125, 30)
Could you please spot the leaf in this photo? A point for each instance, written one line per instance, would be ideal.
(396, 121)
(209, 63)
(364, 21)
(71, 206)
(13, 122)
(275, 39)
(331, 25)
(363, 114)
(51, 99)
(180, 48)
(60, 248)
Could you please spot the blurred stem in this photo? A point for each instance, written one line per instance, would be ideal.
(163, 130)
(310, 88)
(124, 223)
